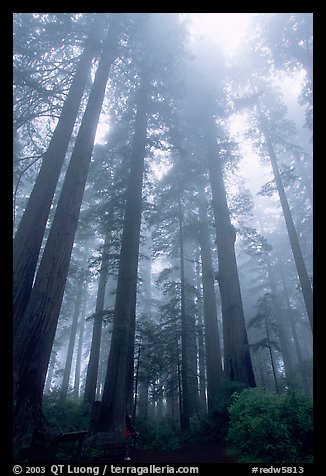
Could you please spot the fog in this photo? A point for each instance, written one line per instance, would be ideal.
(163, 241)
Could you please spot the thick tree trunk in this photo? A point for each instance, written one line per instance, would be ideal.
(117, 382)
(293, 237)
(30, 232)
(237, 359)
(212, 338)
(93, 364)
(32, 346)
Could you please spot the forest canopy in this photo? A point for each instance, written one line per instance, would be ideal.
(162, 178)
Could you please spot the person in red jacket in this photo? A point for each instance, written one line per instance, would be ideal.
(130, 435)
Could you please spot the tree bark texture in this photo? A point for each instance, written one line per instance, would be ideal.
(237, 359)
(32, 346)
(30, 232)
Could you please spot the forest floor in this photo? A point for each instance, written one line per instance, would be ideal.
(188, 454)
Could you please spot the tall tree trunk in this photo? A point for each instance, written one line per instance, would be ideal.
(80, 345)
(116, 387)
(142, 388)
(71, 345)
(189, 280)
(201, 365)
(136, 380)
(307, 386)
(282, 323)
(32, 346)
(293, 237)
(53, 358)
(185, 400)
(237, 359)
(142, 407)
(179, 377)
(281, 320)
(93, 364)
(269, 347)
(307, 184)
(30, 232)
(201, 345)
(212, 338)
(131, 357)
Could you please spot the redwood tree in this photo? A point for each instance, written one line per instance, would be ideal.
(212, 338)
(30, 232)
(117, 382)
(33, 343)
(93, 364)
(293, 236)
(237, 359)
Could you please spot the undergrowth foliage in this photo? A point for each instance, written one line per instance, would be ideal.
(268, 427)
(257, 425)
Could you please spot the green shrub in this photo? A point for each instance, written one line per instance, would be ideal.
(268, 427)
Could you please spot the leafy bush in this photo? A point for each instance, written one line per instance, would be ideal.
(271, 428)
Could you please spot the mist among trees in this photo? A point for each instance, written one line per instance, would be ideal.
(163, 225)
